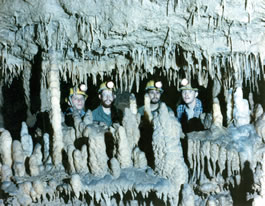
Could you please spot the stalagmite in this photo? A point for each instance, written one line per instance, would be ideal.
(46, 147)
(139, 159)
(147, 107)
(130, 123)
(123, 150)
(80, 160)
(6, 174)
(70, 134)
(251, 103)
(35, 161)
(115, 168)
(97, 150)
(79, 124)
(39, 188)
(25, 188)
(70, 150)
(217, 114)
(258, 111)
(133, 104)
(260, 126)
(18, 159)
(54, 88)
(241, 111)
(26, 140)
(5, 149)
(166, 137)
(188, 196)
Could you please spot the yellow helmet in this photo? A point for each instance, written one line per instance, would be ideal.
(154, 85)
(78, 90)
(109, 85)
(186, 85)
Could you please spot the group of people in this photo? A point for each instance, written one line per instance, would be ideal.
(102, 114)
(187, 113)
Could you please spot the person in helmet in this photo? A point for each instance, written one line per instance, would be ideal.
(189, 111)
(103, 113)
(154, 90)
(76, 102)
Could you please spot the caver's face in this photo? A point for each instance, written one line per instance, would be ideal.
(154, 96)
(189, 96)
(78, 101)
(107, 97)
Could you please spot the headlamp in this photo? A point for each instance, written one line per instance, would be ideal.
(184, 82)
(186, 85)
(83, 87)
(158, 84)
(110, 85)
(106, 85)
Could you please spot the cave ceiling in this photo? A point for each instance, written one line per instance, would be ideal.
(91, 37)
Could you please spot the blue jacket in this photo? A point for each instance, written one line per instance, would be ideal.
(100, 116)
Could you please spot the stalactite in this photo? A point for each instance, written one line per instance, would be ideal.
(132, 78)
(190, 153)
(222, 160)
(195, 162)
(229, 157)
(214, 152)
(203, 155)
(56, 118)
(198, 172)
(76, 184)
(126, 79)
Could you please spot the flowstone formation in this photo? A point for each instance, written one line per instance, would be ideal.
(222, 159)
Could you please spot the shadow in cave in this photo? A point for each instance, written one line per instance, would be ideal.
(239, 192)
(145, 141)
(14, 108)
(110, 145)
